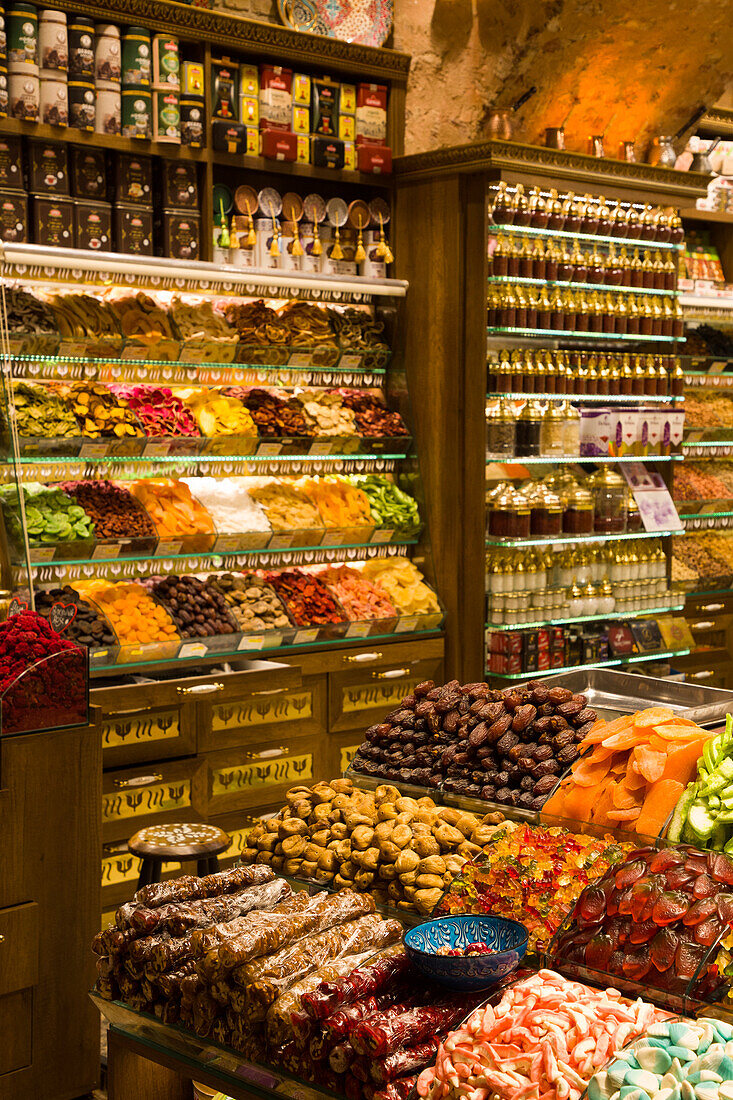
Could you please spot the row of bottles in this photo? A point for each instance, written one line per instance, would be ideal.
(520, 257)
(530, 371)
(583, 311)
(585, 214)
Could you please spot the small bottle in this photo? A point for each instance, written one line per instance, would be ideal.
(662, 377)
(637, 387)
(604, 217)
(670, 272)
(580, 268)
(622, 315)
(614, 271)
(538, 260)
(582, 312)
(537, 209)
(526, 262)
(677, 381)
(604, 377)
(647, 270)
(571, 211)
(650, 377)
(659, 273)
(552, 433)
(561, 369)
(512, 265)
(565, 265)
(571, 429)
(590, 222)
(499, 258)
(502, 211)
(556, 219)
(633, 314)
(551, 262)
(529, 427)
(636, 270)
(627, 376)
(521, 206)
(595, 268)
(520, 314)
(614, 384)
(624, 262)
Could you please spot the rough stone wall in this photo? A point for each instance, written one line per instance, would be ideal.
(649, 62)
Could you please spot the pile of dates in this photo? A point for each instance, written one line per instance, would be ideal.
(507, 746)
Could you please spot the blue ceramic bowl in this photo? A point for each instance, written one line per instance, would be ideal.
(506, 938)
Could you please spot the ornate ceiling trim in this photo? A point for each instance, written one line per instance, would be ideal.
(718, 120)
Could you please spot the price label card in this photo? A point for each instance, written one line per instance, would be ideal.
(269, 448)
(405, 624)
(321, 447)
(350, 362)
(42, 553)
(304, 637)
(300, 359)
(382, 534)
(93, 450)
(227, 544)
(106, 550)
(332, 538)
(192, 649)
(98, 656)
(169, 546)
(280, 542)
(358, 630)
(252, 641)
(157, 450)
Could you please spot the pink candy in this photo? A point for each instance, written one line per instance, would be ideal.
(544, 1040)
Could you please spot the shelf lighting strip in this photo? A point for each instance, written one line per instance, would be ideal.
(583, 398)
(571, 540)
(636, 659)
(641, 613)
(598, 460)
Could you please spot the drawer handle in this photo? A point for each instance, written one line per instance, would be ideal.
(200, 689)
(363, 658)
(391, 674)
(138, 781)
(267, 754)
(713, 607)
(702, 675)
(269, 691)
(2, 939)
(704, 624)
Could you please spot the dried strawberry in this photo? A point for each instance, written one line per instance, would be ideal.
(670, 907)
(704, 887)
(662, 949)
(628, 873)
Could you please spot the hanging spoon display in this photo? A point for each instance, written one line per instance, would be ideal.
(380, 215)
(315, 212)
(271, 204)
(293, 211)
(337, 213)
(359, 217)
(247, 203)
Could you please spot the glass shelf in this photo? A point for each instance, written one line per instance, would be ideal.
(522, 280)
(546, 460)
(636, 659)
(571, 540)
(698, 521)
(531, 231)
(632, 615)
(573, 334)
(691, 443)
(584, 398)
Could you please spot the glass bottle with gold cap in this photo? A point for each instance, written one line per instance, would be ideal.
(571, 429)
(502, 211)
(627, 375)
(637, 387)
(664, 228)
(500, 431)
(621, 315)
(633, 314)
(492, 307)
(500, 257)
(529, 426)
(646, 326)
(614, 374)
(520, 315)
(526, 262)
(580, 268)
(561, 369)
(636, 270)
(515, 246)
(670, 271)
(624, 263)
(552, 255)
(650, 376)
(604, 217)
(647, 270)
(538, 259)
(552, 433)
(544, 308)
(521, 206)
(657, 316)
(677, 231)
(619, 224)
(604, 376)
(537, 209)
(614, 271)
(658, 266)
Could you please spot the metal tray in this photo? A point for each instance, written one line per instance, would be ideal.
(624, 693)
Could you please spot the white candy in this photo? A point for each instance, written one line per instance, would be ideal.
(653, 1059)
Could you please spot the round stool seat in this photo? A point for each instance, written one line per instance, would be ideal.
(189, 840)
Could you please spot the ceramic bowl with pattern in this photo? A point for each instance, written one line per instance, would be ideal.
(506, 940)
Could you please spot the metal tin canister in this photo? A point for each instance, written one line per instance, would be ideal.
(166, 117)
(3, 92)
(109, 108)
(24, 93)
(81, 48)
(54, 99)
(107, 53)
(22, 31)
(3, 39)
(53, 41)
(82, 104)
(166, 62)
(193, 121)
(136, 58)
(137, 113)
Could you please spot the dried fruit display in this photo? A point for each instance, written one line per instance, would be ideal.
(704, 409)
(88, 627)
(704, 813)
(159, 411)
(134, 615)
(79, 315)
(174, 511)
(546, 1037)
(675, 1057)
(198, 610)
(654, 920)
(113, 509)
(372, 416)
(403, 851)
(253, 603)
(633, 773)
(41, 412)
(307, 599)
(228, 502)
(532, 874)
(51, 515)
(217, 414)
(198, 321)
(404, 584)
(360, 599)
(699, 481)
(275, 416)
(43, 677)
(327, 412)
(508, 746)
(339, 503)
(26, 313)
(100, 413)
(708, 554)
(390, 505)
(284, 503)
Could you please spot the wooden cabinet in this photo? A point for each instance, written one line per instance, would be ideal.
(18, 976)
(293, 709)
(150, 794)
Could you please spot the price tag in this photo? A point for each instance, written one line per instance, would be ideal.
(332, 538)
(405, 624)
(98, 656)
(269, 448)
(382, 534)
(157, 450)
(280, 542)
(93, 450)
(252, 641)
(350, 362)
(227, 544)
(106, 550)
(192, 649)
(74, 348)
(42, 553)
(321, 447)
(166, 547)
(303, 637)
(300, 359)
(358, 630)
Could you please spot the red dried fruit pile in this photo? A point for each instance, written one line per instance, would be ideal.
(53, 694)
(158, 410)
(306, 598)
(373, 418)
(653, 919)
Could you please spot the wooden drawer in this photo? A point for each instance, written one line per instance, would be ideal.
(276, 712)
(238, 779)
(707, 606)
(150, 795)
(19, 946)
(371, 689)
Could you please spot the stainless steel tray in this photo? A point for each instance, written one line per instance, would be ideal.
(624, 693)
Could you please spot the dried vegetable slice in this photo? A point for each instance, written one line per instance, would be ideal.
(704, 813)
(285, 504)
(51, 515)
(81, 315)
(532, 874)
(633, 773)
(197, 320)
(390, 505)
(26, 313)
(643, 921)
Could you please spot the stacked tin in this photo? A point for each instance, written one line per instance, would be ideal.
(53, 49)
(108, 78)
(24, 88)
(166, 89)
(137, 113)
(82, 93)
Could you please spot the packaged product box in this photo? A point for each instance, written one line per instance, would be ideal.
(676, 429)
(327, 152)
(14, 216)
(181, 231)
(278, 144)
(93, 224)
(224, 89)
(376, 159)
(504, 665)
(303, 149)
(11, 164)
(192, 78)
(88, 173)
(301, 90)
(629, 432)
(597, 431)
(179, 185)
(53, 221)
(137, 57)
(347, 99)
(647, 636)
(249, 80)
(276, 98)
(48, 166)
(193, 122)
(249, 110)
(347, 128)
(371, 114)
(301, 120)
(227, 137)
(658, 429)
(324, 107)
(349, 156)
(505, 641)
(134, 180)
(252, 142)
(133, 226)
(676, 633)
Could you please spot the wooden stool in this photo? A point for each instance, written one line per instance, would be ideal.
(179, 842)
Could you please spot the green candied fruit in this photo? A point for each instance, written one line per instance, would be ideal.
(41, 411)
(52, 516)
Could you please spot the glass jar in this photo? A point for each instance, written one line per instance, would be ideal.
(529, 429)
(575, 603)
(500, 431)
(579, 512)
(609, 491)
(552, 433)
(520, 516)
(545, 511)
(571, 429)
(499, 513)
(590, 599)
(500, 257)
(502, 211)
(633, 516)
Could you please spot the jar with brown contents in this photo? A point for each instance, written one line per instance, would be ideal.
(579, 512)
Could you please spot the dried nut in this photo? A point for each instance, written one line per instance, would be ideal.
(407, 860)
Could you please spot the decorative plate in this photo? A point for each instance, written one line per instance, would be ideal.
(365, 22)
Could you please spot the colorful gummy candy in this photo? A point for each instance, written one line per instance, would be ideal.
(544, 1040)
(532, 874)
(654, 919)
(674, 1060)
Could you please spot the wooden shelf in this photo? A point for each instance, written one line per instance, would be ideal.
(720, 217)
